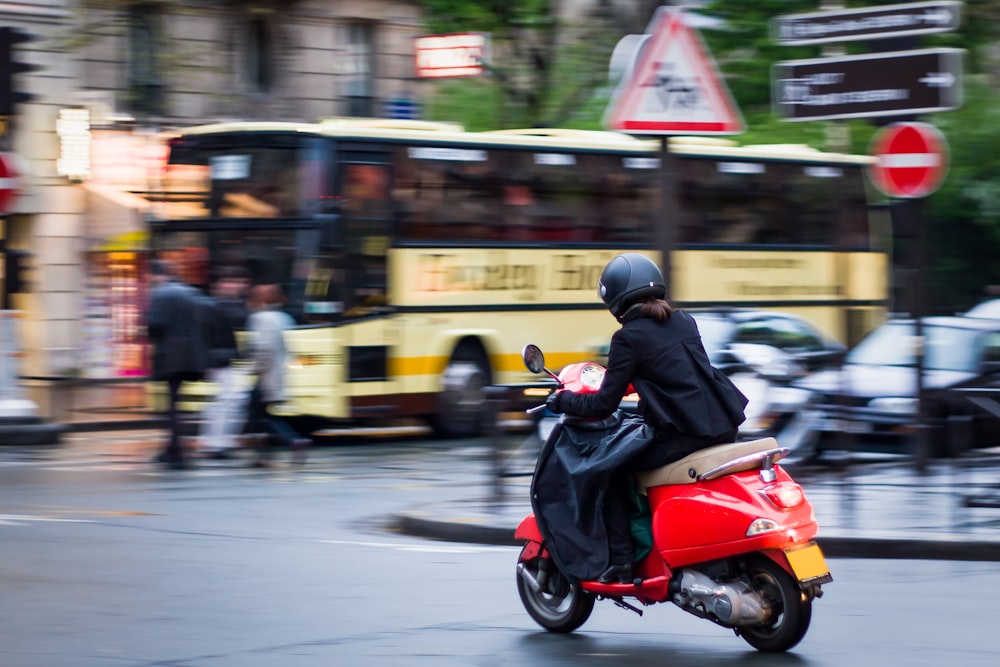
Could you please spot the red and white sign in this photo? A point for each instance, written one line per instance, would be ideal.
(675, 87)
(457, 54)
(10, 181)
(912, 159)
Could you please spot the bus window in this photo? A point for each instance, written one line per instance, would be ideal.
(469, 196)
(448, 194)
(262, 176)
(751, 203)
(367, 229)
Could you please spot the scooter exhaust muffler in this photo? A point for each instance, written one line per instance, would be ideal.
(730, 603)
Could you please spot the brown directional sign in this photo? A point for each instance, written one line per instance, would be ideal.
(878, 84)
(914, 18)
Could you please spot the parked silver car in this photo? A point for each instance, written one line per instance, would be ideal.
(870, 403)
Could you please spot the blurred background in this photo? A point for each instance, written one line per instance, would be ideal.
(93, 92)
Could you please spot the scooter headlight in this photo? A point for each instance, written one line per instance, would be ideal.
(592, 376)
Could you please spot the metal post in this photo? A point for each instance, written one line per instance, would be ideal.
(494, 401)
(666, 227)
(921, 445)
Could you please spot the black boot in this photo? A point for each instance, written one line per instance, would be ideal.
(616, 574)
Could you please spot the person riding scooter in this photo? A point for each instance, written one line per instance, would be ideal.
(688, 403)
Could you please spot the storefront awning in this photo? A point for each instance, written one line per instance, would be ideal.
(115, 219)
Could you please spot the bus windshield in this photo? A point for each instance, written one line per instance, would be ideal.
(260, 175)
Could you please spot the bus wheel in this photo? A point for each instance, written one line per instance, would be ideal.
(462, 403)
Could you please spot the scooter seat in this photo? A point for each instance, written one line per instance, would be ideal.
(687, 469)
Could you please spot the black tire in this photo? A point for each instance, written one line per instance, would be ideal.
(462, 404)
(791, 608)
(558, 606)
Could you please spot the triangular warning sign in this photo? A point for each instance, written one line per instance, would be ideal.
(675, 87)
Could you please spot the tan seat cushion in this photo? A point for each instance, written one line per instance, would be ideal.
(686, 470)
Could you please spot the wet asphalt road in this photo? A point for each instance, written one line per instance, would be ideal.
(108, 561)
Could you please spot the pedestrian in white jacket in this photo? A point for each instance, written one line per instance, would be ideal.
(266, 327)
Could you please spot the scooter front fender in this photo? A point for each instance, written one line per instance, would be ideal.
(527, 530)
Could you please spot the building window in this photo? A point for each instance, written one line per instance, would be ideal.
(360, 69)
(145, 83)
(259, 55)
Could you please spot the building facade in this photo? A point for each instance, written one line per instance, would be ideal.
(112, 80)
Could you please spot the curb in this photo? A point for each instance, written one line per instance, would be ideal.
(117, 425)
(938, 548)
(891, 547)
(446, 531)
(51, 433)
(31, 434)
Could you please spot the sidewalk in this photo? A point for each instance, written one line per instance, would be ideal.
(865, 510)
(45, 409)
(93, 405)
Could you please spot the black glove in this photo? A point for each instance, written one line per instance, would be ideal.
(552, 403)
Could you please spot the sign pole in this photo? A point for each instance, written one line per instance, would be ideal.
(668, 216)
(910, 217)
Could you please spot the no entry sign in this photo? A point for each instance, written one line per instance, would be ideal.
(911, 160)
(10, 182)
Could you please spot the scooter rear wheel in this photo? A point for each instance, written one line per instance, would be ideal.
(556, 605)
(791, 609)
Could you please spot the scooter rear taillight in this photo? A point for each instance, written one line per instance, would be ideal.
(784, 495)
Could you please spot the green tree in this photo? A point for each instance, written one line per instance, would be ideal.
(543, 69)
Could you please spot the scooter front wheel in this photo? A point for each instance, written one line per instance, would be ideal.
(791, 610)
(549, 598)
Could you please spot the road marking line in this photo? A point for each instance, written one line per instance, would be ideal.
(17, 519)
(424, 548)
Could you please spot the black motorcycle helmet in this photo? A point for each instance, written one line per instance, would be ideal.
(627, 279)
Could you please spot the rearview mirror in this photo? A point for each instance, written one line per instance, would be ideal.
(533, 358)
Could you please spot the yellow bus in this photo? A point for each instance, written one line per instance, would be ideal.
(419, 258)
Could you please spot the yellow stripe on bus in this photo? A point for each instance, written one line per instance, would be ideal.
(435, 365)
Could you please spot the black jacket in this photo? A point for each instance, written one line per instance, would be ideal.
(227, 316)
(178, 327)
(679, 389)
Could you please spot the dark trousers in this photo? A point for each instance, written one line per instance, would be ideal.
(617, 500)
(174, 452)
(261, 420)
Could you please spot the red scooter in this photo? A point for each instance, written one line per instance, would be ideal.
(732, 542)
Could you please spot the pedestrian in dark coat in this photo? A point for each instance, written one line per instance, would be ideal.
(689, 403)
(225, 414)
(177, 326)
